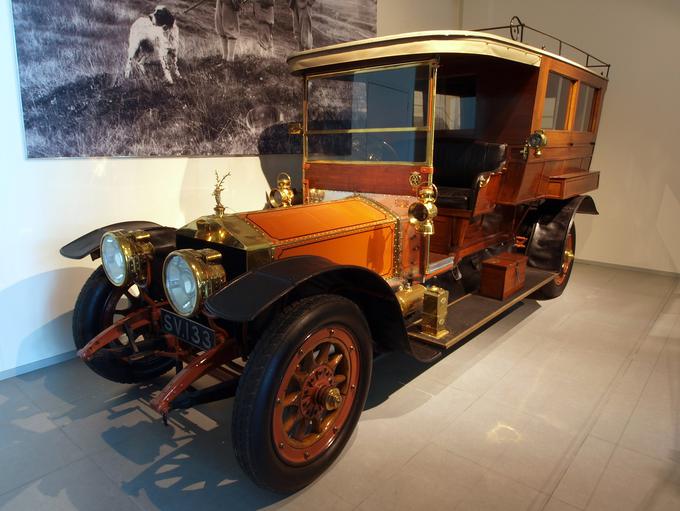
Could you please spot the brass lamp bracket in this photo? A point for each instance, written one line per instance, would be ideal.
(423, 212)
(282, 196)
(536, 141)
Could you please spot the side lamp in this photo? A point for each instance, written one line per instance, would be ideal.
(282, 196)
(423, 212)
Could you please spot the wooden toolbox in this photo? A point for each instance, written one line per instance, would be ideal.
(503, 275)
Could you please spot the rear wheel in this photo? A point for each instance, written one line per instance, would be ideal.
(556, 287)
(99, 304)
(302, 392)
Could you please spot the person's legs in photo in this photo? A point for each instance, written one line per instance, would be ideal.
(227, 25)
(264, 16)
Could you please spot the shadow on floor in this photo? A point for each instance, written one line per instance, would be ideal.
(190, 463)
(392, 371)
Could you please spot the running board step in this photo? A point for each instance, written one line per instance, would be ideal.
(473, 311)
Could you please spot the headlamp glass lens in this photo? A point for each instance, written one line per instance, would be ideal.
(180, 285)
(113, 260)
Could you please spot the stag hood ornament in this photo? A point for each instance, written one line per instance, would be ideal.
(217, 193)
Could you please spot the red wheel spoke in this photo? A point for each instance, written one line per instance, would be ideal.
(322, 357)
(307, 362)
(326, 423)
(339, 378)
(290, 423)
(300, 430)
(300, 377)
(291, 399)
(333, 363)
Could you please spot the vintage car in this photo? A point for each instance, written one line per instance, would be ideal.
(442, 172)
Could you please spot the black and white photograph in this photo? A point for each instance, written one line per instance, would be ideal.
(182, 78)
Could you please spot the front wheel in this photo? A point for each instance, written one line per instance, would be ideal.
(302, 392)
(556, 286)
(99, 304)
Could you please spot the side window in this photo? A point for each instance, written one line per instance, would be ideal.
(584, 108)
(419, 108)
(456, 104)
(556, 102)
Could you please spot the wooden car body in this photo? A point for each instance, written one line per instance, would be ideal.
(511, 92)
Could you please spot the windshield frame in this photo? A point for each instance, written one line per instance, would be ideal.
(428, 128)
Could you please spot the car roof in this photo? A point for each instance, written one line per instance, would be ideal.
(413, 44)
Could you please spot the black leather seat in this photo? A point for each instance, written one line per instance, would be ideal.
(457, 198)
(457, 166)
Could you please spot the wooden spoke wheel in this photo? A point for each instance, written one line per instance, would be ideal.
(556, 287)
(316, 395)
(99, 304)
(302, 392)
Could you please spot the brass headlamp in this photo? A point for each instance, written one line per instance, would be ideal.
(190, 277)
(126, 256)
(423, 212)
(282, 196)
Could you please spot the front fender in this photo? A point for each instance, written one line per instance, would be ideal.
(254, 293)
(88, 244)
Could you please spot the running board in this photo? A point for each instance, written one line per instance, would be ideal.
(473, 311)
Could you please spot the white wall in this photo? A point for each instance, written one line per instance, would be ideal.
(396, 16)
(636, 151)
(45, 204)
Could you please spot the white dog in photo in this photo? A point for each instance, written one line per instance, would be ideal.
(158, 34)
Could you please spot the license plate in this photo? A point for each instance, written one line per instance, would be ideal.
(187, 330)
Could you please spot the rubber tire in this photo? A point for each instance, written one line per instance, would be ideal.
(88, 323)
(551, 289)
(254, 404)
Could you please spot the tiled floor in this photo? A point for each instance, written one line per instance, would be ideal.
(563, 405)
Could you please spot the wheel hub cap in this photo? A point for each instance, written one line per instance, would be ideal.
(312, 402)
(331, 398)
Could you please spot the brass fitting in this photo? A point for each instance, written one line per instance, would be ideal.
(136, 251)
(332, 399)
(423, 212)
(435, 311)
(208, 274)
(295, 128)
(217, 193)
(316, 196)
(536, 141)
(282, 196)
(410, 298)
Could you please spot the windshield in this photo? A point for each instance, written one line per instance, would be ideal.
(369, 115)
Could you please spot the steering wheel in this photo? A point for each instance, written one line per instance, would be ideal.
(381, 150)
(373, 149)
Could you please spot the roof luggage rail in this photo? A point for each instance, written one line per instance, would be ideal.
(517, 33)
